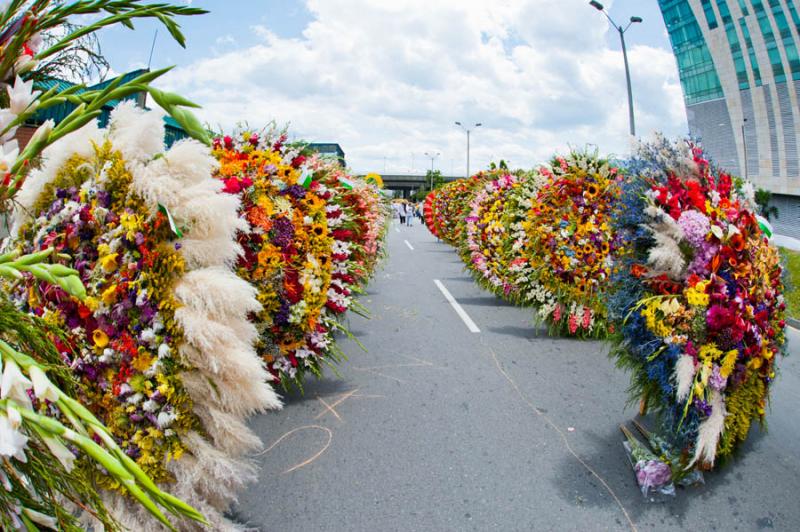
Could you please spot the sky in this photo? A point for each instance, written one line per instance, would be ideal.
(387, 79)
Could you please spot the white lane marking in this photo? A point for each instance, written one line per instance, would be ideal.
(460, 311)
(396, 228)
(409, 245)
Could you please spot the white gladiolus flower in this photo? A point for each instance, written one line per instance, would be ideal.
(42, 387)
(14, 417)
(21, 96)
(149, 406)
(60, 451)
(12, 442)
(6, 117)
(15, 385)
(42, 132)
(8, 156)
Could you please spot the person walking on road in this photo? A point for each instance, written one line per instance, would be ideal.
(409, 214)
(401, 211)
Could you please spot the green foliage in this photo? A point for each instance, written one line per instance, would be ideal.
(791, 261)
(763, 198)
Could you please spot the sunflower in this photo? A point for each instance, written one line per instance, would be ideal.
(591, 190)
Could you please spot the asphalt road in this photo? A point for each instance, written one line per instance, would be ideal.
(437, 428)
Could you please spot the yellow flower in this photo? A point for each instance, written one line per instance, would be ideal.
(696, 295)
(109, 294)
(109, 262)
(131, 223)
(92, 303)
(728, 363)
(100, 338)
(709, 352)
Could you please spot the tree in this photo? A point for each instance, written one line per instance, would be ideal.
(763, 198)
(432, 176)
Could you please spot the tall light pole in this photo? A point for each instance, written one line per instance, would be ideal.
(598, 6)
(744, 145)
(432, 157)
(478, 124)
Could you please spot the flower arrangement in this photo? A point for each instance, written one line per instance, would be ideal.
(570, 241)
(527, 291)
(484, 235)
(697, 301)
(161, 344)
(451, 206)
(287, 249)
(428, 212)
(314, 235)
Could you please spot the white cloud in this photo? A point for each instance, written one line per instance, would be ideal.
(388, 79)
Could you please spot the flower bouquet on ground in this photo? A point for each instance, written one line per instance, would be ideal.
(160, 344)
(697, 301)
(570, 242)
(653, 475)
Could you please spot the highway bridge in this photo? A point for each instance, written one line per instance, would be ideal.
(407, 183)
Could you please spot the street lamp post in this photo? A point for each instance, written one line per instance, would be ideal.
(621, 30)
(744, 145)
(478, 124)
(432, 157)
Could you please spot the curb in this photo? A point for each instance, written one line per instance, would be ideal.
(795, 324)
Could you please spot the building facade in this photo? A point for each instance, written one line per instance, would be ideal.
(739, 68)
(173, 131)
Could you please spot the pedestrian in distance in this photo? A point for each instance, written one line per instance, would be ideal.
(409, 214)
(401, 211)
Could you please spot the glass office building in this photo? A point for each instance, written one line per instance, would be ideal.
(740, 73)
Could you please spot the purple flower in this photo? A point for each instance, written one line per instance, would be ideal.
(717, 381)
(282, 232)
(652, 473)
(282, 316)
(296, 191)
(103, 198)
(703, 408)
(696, 227)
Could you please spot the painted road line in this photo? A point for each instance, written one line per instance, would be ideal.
(409, 245)
(459, 310)
(396, 228)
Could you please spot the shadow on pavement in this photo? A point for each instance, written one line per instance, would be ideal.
(531, 332)
(313, 389)
(484, 301)
(577, 486)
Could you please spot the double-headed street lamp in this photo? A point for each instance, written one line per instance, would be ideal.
(598, 6)
(478, 124)
(432, 157)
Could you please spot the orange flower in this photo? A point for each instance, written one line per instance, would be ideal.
(637, 270)
(258, 217)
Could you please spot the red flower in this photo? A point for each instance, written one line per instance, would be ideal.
(232, 185)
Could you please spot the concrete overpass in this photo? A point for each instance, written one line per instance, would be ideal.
(407, 183)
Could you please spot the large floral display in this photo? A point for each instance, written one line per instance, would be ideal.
(697, 302)
(570, 241)
(451, 205)
(484, 235)
(56, 451)
(313, 234)
(161, 345)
